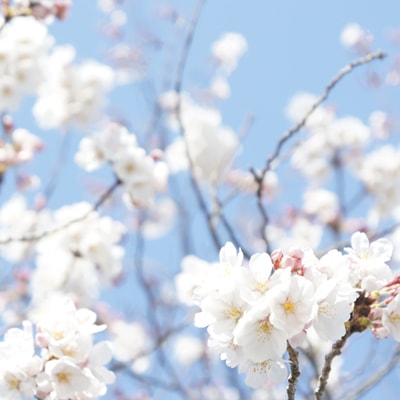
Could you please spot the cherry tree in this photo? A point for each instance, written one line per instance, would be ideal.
(145, 257)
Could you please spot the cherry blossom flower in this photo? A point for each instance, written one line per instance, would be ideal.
(69, 364)
(210, 145)
(391, 318)
(370, 261)
(72, 93)
(228, 49)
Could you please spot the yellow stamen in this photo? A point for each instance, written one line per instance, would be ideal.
(234, 313)
(289, 307)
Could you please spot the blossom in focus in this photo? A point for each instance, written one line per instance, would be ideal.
(252, 308)
(369, 261)
(64, 364)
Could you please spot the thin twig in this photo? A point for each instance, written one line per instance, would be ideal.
(178, 90)
(340, 75)
(326, 369)
(294, 372)
(259, 176)
(56, 170)
(152, 317)
(375, 378)
(41, 235)
(218, 214)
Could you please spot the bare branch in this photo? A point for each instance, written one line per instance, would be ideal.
(294, 372)
(41, 235)
(152, 316)
(259, 176)
(340, 75)
(178, 89)
(326, 369)
(186, 48)
(56, 170)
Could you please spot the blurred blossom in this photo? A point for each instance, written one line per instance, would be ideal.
(118, 18)
(380, 124)
(220, 392)
(106, 6)
(322, 204)
(159, 219)
(130, 343)
(87, 255)
(379, 171)
(353, 36)
(330, 139)
(302, 233)
(24, 46)
(300, 104)
(30, 222)
(220, 88)
(190, 282)
(210, 145)
(142, 175)
(72, 93)
(244, 181)
(347, 132)
(188, 350)
(129, 62)
(228, 49)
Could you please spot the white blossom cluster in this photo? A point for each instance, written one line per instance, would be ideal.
(28, 223)
(24, 44)
(226, 52)
(125, 349)
(331, 139)
(20, 147)
(59, 362)
(142, 175)
(228, 49)
(87, 255)
(71, 93)
(379, 171)
(354, 37)
(252, 310)
(210, 145)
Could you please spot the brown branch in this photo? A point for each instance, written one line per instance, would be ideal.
(294, 372)
(326, 369)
